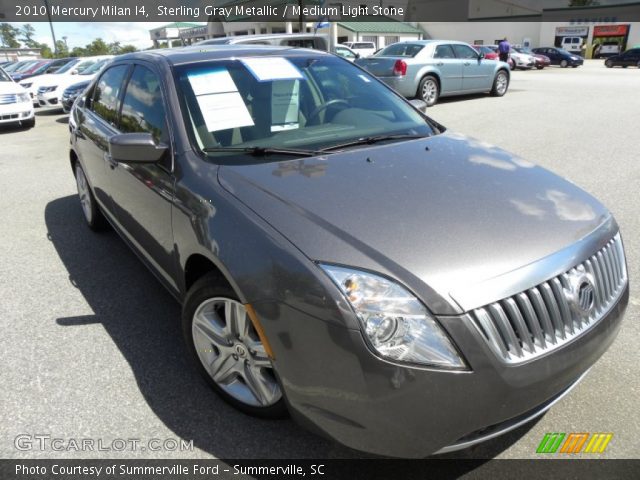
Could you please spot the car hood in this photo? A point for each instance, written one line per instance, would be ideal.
(9, 88)
(433, 213)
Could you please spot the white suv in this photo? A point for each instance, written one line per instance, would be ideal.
(365, 49)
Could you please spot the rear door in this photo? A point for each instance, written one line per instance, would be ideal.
(97, 123)
(142, 193)
(450, 68)
(476, 72)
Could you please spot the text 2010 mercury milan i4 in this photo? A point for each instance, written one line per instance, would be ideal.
(341, 257)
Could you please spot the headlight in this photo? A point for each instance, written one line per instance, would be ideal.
(395, 324)
(26, 85)
(24, 97)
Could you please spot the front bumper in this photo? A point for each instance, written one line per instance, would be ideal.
(336, 386)
(16, 112)
(49, 100)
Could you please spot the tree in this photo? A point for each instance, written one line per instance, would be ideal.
(62, 48)
(97, 47)
(26, 36)
(45, 50)
(8, 34)
(78, 52)
(583, 3)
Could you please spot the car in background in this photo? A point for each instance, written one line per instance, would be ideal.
(25, 66)
(607, 49)
(50, 94)
(31, 70)
(365, 49)
(630, 58)
(298, 40)
(572, 44)
(15, 103)
(430, 69)
(491, 53)
(522, 61)
(51, 80)
(345, 52)
(558, 56)
(541, 61)
(72, 92)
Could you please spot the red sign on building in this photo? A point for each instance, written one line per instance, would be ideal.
(610, 30)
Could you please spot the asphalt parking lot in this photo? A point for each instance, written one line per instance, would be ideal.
(91, 344)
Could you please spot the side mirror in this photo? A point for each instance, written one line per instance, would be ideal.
(136, 148)
(74, 72)
(357, 56)
(419, 105)
(480, 56)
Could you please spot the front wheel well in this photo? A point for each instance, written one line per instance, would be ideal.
(73, 159)
(197, 266)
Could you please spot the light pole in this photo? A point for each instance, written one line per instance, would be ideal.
(53, 35)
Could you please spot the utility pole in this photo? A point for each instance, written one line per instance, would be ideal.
(53, 35)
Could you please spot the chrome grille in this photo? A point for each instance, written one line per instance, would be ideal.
(6, 99)
(547, 316)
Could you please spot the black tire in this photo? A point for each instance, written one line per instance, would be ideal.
(429, 90)
(574, 66)
(205, 288)
(625, 66)
(500, 84)
(91, 211)
(540, 67)
(29, 123)
(638, 64)
(608, 63)
(564, 63)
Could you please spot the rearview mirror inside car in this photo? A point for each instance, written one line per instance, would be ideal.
(136, 147)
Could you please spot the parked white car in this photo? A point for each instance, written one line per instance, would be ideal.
(522, 60)
(15, 103)
(365, 49)
(50, 93)
(54, 79)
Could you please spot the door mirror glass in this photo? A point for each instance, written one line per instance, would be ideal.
(136, 147)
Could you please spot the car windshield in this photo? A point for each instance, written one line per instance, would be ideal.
(524, 50)
(303, 102)
(95, 68)
(67, 67)
(562, 50)
(409, 50)
(4, 77)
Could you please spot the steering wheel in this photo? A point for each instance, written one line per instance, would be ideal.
(324, 106)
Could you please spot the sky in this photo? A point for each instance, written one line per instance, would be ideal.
(80, 33)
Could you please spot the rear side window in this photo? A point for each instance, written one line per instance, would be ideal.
(443, 51)
(402, 50)
(142, 107)
(106, 92)
(464, 51)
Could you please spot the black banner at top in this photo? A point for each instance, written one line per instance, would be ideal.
(318, 10)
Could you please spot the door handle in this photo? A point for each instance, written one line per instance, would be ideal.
(440, 64)
(109, 159)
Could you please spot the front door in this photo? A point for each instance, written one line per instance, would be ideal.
(142, 193)
(477, 73)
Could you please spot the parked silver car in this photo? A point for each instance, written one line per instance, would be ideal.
(430, 69)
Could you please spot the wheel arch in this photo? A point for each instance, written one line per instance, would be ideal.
(198, 265)
(429, 73)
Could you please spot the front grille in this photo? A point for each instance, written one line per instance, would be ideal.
(7, 99)
(545, 317)
(13, 116)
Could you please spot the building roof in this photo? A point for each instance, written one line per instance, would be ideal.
(179, 25)
(380, 27)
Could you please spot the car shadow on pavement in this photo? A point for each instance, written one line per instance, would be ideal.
(143, 320)
(13, 128)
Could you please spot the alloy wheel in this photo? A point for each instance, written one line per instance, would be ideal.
(85, 195)
(430, 91)
(231, 352)
(501, 83)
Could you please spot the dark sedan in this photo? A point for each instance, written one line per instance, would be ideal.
(342, 257)
(559, 56)
(630, 58)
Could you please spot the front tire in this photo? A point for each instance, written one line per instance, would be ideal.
(226, 349)
(92, 214)
(429, 90)
(500, 84)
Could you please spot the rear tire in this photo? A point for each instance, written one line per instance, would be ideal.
(225, 348)
(609, 63)
(92, 214)
(500, 84)
(429, 90)
(564, 64)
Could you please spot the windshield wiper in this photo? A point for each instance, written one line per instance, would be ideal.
(372, 140)
(262, 151)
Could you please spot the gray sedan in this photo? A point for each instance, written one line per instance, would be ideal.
(429, 69)
(341, 257)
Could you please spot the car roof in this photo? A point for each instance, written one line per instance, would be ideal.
(199, 53)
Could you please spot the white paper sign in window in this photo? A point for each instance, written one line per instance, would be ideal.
(266, 69)
(285, 105)
(220, 102)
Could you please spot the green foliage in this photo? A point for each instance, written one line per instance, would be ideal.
(26, 36)
(8, 36)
